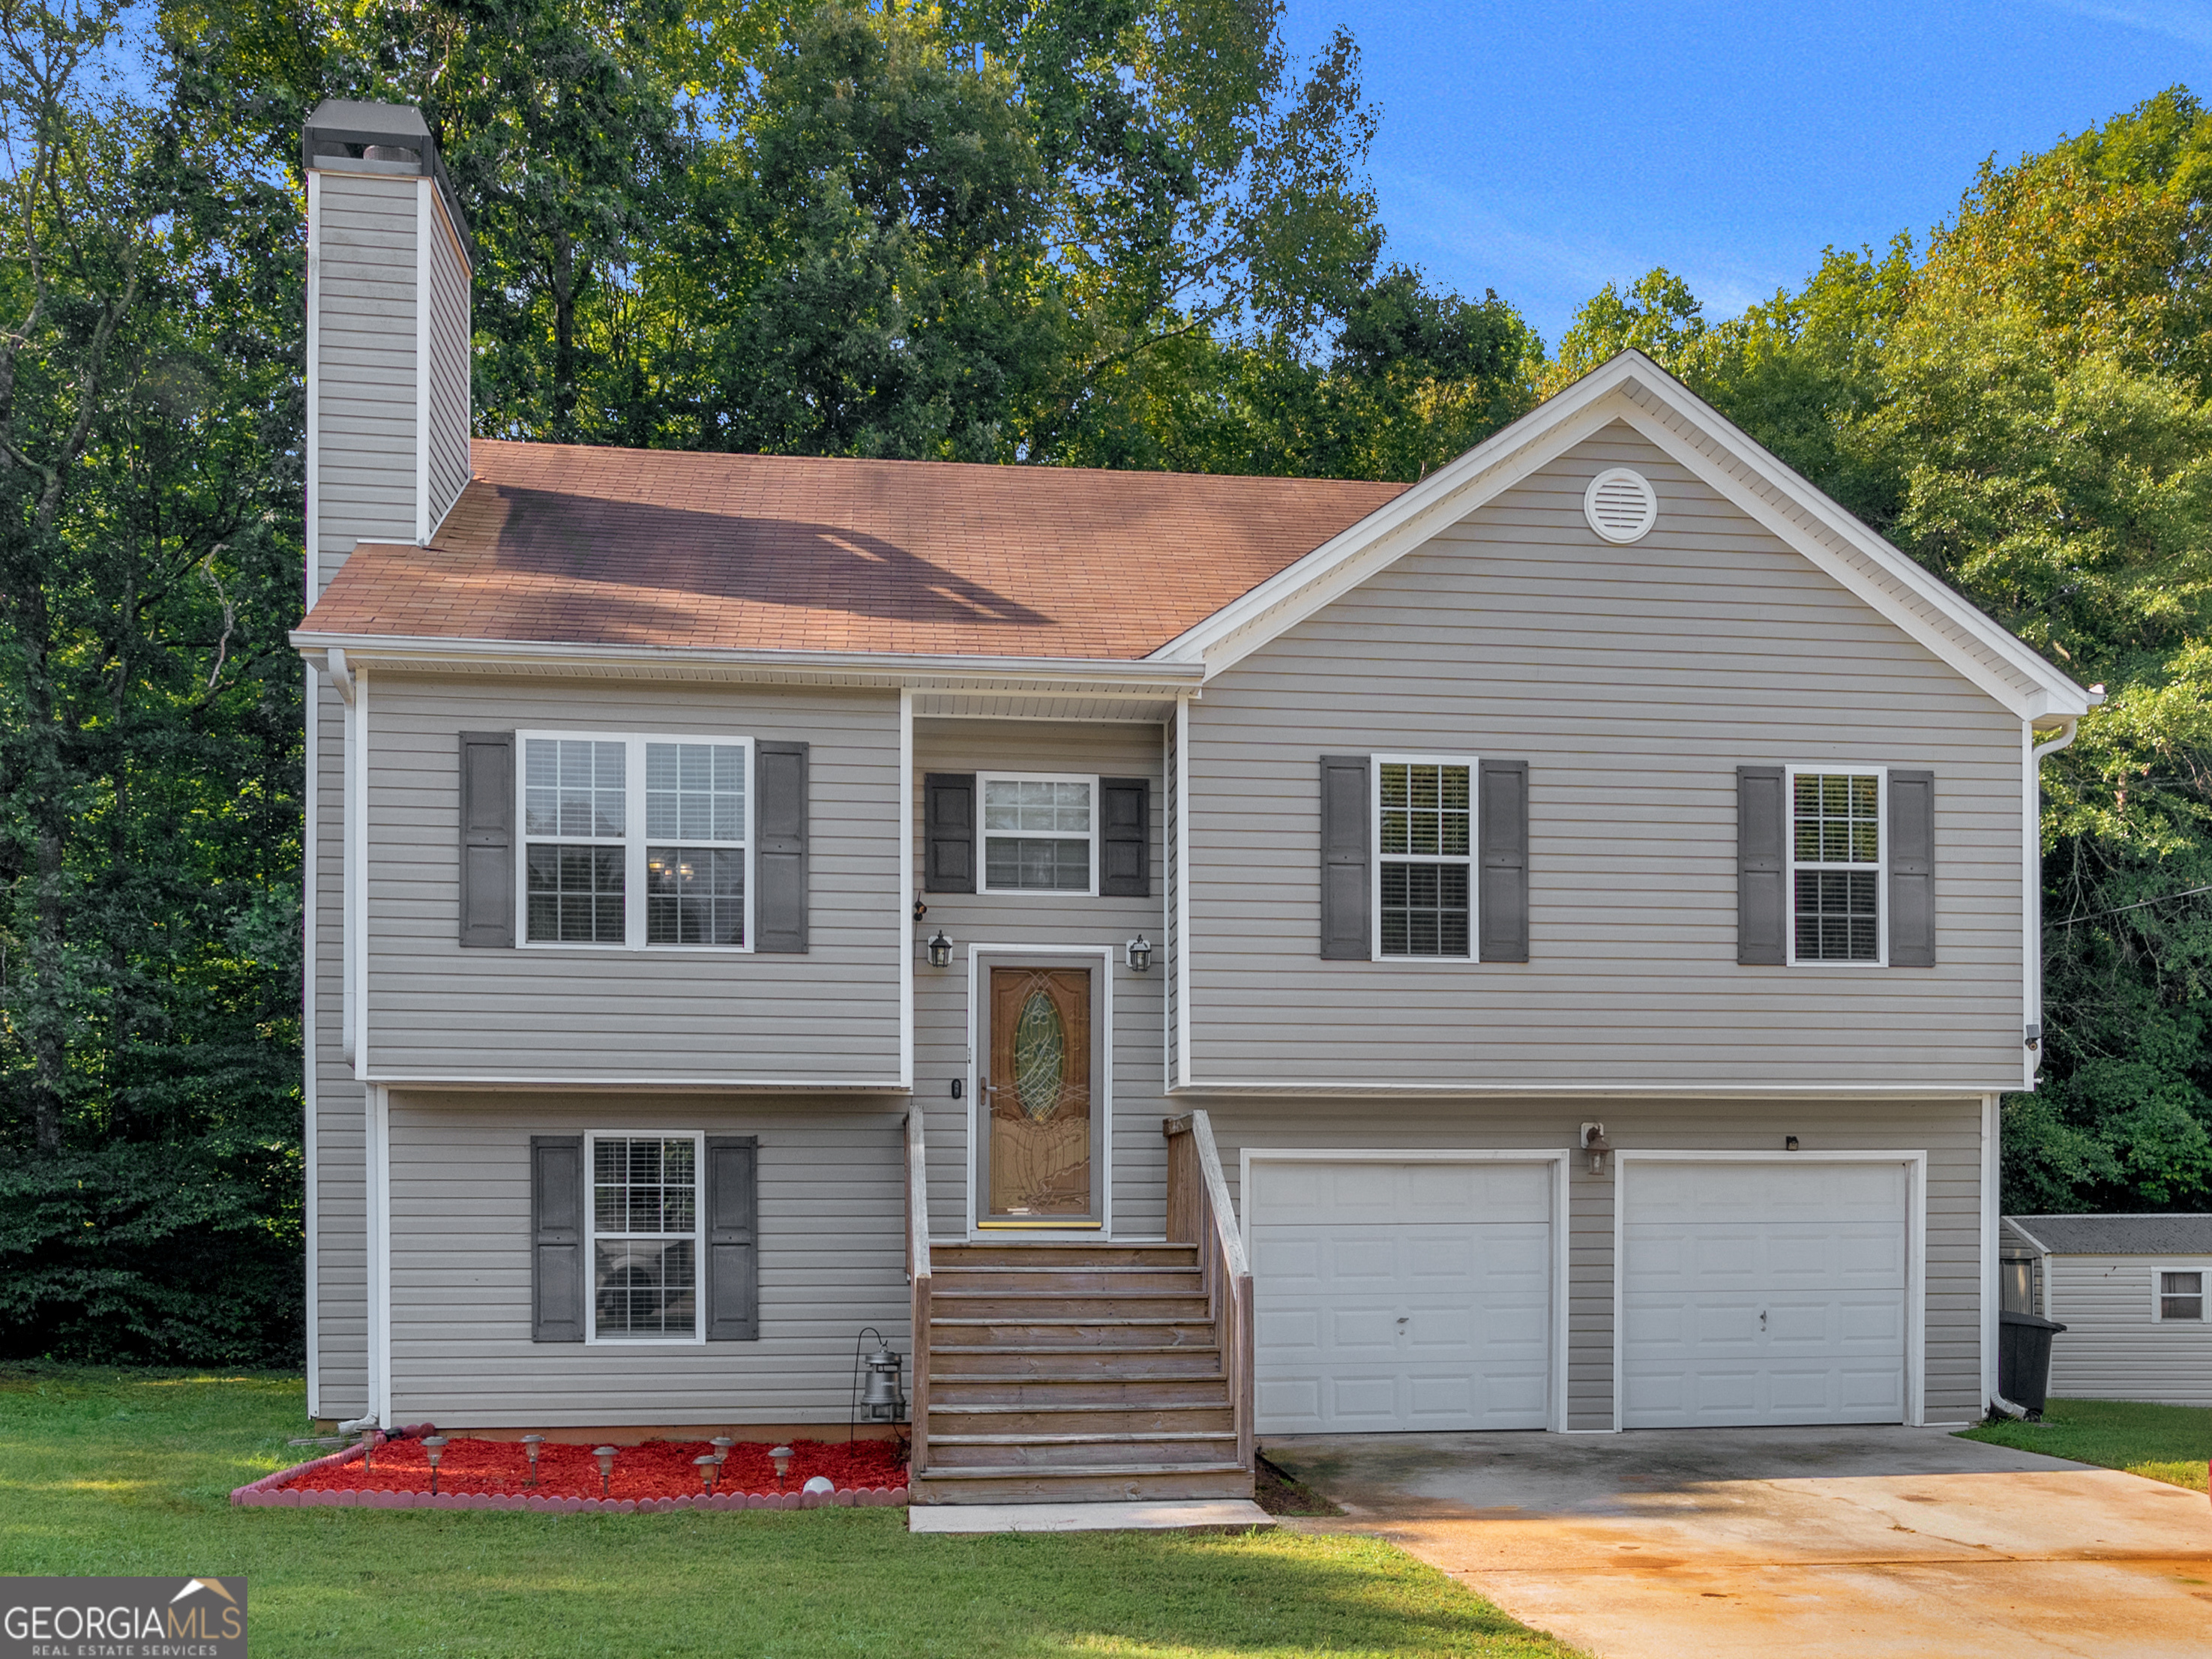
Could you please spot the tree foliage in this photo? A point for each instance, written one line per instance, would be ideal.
(150, 565)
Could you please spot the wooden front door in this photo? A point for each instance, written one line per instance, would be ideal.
(1038, 1128)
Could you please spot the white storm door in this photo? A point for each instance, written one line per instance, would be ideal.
(1762, 1293)
(1401, 1296)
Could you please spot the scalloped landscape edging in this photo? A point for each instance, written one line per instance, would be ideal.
(278, 1492)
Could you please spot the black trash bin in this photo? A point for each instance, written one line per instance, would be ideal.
(2024, 1358)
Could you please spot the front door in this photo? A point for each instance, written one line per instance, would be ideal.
(1039, 1151)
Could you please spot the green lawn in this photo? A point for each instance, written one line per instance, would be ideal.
(130, 1473)
(2164, 1443)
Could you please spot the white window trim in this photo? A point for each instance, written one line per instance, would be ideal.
(983, 781)
(1376, 856)
(633, 842)
(2182, 1265)
(591, 1337)
(1838, 769)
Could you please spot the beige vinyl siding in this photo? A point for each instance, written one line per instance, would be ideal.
(1947, 1130)
(1046, 922)
(341, 1262)
(831, 1261)
(439, 1013)
(449, 368)
(2112, 1348)
(365, 364)
(1634, 680)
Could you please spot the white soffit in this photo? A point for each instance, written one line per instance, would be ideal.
(1632, 389)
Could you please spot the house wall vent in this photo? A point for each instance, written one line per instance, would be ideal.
(1621, 505)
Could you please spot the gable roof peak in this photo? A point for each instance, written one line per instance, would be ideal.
(1631, 388)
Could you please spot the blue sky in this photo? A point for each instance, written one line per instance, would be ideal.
(1543, 149)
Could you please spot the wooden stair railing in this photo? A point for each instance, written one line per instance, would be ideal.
(1200, 1213)
(917, 1273)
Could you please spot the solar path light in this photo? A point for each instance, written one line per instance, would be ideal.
(530, 1443)
(607, 1456)
(433, 1447)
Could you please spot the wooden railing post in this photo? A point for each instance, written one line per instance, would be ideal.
(917, 1271)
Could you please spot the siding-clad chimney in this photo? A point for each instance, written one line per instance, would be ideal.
(388, 264)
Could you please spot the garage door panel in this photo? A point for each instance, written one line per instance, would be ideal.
(1423, 1289)
(1819, 1249)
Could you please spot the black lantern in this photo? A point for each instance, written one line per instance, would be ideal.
(1139, 951)
(940, 950)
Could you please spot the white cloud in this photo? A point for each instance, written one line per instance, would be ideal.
(2175, 19)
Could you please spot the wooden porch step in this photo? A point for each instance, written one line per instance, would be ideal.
(1073, 1253)
(1083, 1416)
(1023, 1390)
(1173, 1281)
(991, 1451)
(1072, 1333)
(1130, 1363)
(1078, 1483)
(1060, 1305)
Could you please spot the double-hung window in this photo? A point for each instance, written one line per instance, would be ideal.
(1424, 851)
(1836, 865)
(2181, 1296)
(1040, 834)
(645, 1238)
(637, 841)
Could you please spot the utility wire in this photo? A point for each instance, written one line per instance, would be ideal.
(2186, 893)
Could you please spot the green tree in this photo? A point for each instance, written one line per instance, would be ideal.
(150, 566)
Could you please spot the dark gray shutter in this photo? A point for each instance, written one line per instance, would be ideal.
(780, 857)
(1125, 838)
(1501, 808)
(1762, 865)
(556, 1238)
(1912, 869)
(732, 1207)
(1347, 934)
(948, 811)
(487, 907)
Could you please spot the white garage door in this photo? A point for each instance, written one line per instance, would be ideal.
(1401, 1296)
(1762, 1293)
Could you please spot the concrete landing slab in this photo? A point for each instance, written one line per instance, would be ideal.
(1230, 1512)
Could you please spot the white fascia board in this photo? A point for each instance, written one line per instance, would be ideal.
(1510, 1086)
(891, 671)
(2041, 1247)
(1936, 616)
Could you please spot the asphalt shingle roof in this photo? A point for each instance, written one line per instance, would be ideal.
(568, 544)
(2120, 1235)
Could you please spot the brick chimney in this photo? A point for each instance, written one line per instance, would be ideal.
(389, 258)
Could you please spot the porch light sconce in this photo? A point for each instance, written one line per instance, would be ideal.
(940, 950)
(1790, 1143)
(433, 1447)
(607, 1456)
(1596, 1147)
(1139, 951)
(530, 1443)
(781, 1455)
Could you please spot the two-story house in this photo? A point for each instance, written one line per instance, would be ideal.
(1182, 957)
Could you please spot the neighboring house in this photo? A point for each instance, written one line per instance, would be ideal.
(2129, 1289)
(1579, 912)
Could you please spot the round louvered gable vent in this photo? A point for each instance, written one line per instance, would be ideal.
(1621, 505)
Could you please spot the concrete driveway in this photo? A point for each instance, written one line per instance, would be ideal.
(1730, 1544)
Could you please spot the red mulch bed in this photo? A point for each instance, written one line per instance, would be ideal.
(658, 1468)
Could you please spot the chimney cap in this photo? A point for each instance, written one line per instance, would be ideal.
(345, 126)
